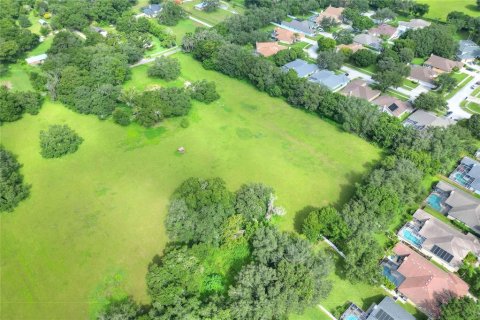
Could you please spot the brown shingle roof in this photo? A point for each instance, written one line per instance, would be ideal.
(268, 49)
(393, 106)
(423, 74)
(359, 88)
(425, 283)
(331, 12)
(442, 63)
(353, 46)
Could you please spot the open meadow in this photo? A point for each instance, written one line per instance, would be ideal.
(94, 219)
(440, 8)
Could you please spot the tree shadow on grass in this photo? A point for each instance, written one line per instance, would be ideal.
(300, 217)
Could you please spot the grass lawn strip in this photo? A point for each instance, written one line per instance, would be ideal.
(125, 176)
(462, 83)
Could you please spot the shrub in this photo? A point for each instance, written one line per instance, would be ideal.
(12, 188)
(58, 141)
(204, 91)
(165, 68)
(121, 116)
(363, 58)
(184, 123)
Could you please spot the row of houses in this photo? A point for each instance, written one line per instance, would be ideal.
(426, 238)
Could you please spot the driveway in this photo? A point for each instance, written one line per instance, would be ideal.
(455, 101)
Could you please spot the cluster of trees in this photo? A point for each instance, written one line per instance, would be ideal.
(473, 125)
(87, 75)
(406, 7)
(464, 308)
(466, 23)
(471, 274)
(72, 14)
(12, 188)
(225, 260)
(14, 40)
(165, 68)
(58, 141)
(437, 39)
(285, 56)
(15, 103)
(171, 14)
(392, 68)
(359, 21)
(431, 101)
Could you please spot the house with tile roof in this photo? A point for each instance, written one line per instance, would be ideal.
(440, 64)
(329, 79)
(468, 51)
(360, 89)
(384, 30)
(286, 36)
(467, 174)
(420, 281)
(423, 75)
(393, 106)
(456, 204)
(353, 46)
(268, 49)
(438, 240)
(332, 13)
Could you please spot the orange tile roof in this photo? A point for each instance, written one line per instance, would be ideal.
(331, 12)
(268, 49)
(286, 36)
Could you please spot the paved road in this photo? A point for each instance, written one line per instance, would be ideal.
(167, 52)
(455, 101)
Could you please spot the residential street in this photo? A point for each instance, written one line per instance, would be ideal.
(454, 102)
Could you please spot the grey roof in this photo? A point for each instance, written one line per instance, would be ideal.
(368, 40)
(422, 119)
(305, 26)
(473, 172)
(388, 306)
(329, 79)
(301, 67)
(463, 206)
(152, 9)
(468, 50)
(38, 58)
(440, 234)
(414, 24)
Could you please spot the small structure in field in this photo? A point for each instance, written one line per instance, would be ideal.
(181, 150)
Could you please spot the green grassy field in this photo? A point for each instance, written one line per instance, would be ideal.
(212, 18)
(94, 219)
(440, 8)
(17, 76)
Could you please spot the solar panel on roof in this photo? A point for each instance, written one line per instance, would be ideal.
(382, 315)
(442, 254)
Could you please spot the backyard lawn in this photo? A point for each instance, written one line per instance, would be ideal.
(94, 219)
(440, 8)
(212, 18)
(17, 76)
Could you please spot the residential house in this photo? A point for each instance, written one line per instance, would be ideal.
(353, 46)
(423, 75)
(456, 205)
(438, 240)
(467, 174)
(393, 106)
(387, 309)
(36, 59)
(468, 51)
(369, 41)
(286, 36)
(301, 67)
(414, 24)
(268, 49)
(422, 119)
(151, 10)
(332, 13)
(300, 26)
(384, 31)
(360, 89)
(440, 64)
(329, 79)
(421, 282)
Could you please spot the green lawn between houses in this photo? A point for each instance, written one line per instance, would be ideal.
(94, 219)
(440, 8)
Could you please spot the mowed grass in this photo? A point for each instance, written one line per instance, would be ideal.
(17, 77)
(439, 9)
(94, 219)
(212, 18)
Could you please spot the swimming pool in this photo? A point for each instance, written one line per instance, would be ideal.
(460, 179)
(435, 201)
(351, 317)
(411, 237)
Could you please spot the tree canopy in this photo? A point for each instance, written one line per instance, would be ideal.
(12, 188)
(59, 140)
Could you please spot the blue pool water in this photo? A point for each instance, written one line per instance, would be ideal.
(460, 179)
(411, 237)
(351, 317)
(434, 200)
